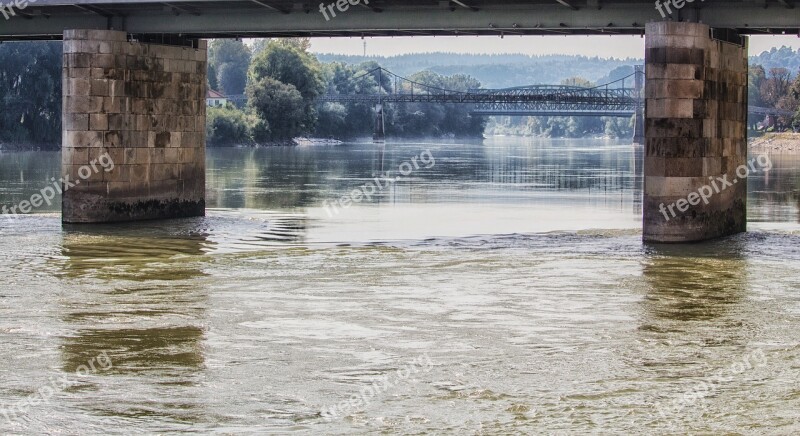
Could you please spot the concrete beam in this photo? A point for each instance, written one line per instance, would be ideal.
(252, 18)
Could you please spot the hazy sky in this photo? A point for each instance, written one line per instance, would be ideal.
(603, 46)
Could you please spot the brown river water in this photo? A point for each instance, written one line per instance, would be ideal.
(496, 288)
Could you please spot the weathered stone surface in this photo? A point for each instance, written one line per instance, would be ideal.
(696, 106)
(142, 106)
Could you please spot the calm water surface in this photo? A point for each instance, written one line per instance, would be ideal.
(503, 290)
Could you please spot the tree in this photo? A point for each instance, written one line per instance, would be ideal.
(285, 62)
(792, 101)
(279, 106)
(229, 59)
(776, 86)
(211, 78)
(332, 121)
(577, 127)
(227, 126)
(288, 63)
(755, 78)
(259, 44)
(577, 81)
(232, 79)
(30, 93)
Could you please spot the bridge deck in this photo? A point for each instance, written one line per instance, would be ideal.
(47, 19)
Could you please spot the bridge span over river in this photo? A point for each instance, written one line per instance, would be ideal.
(135, 77)
(614, 99)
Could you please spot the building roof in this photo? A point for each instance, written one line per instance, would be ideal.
(214, 94)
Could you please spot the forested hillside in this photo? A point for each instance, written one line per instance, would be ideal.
(495, 71)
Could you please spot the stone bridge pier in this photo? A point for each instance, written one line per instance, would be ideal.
(696, 133)
(142, 106)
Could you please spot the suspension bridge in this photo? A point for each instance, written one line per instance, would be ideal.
(623, 97)
(610, 99)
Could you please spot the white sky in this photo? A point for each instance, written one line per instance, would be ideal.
(603, 46)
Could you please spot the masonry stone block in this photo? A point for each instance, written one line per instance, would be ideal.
(696, 106)
(143, 106)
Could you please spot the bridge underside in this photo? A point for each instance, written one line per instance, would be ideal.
(47, 19)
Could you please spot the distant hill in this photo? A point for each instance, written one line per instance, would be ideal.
(497, 71)
(507, 70)
(778, 57)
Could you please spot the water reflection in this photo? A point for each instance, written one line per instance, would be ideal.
(534, 296)
(152, 351)
(23, 174)
(498, 170)
(135, 251)
(774, 196)
(137, 294)
(700, 282)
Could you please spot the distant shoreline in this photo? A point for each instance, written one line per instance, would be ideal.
(780, 142)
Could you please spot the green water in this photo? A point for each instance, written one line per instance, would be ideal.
(507, 283)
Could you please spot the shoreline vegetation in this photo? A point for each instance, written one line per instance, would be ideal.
(785, 142)
(280, 81)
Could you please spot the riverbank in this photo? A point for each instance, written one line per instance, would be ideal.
(783, 142)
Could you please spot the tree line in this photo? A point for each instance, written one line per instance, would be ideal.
(30, 95)
(776, 88)
(282, 82)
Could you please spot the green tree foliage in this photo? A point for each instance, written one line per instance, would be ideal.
(284, 82)
(755, 78)
(435, 120)
(332, 121)
(792, 101)
(402, 119)
(776, 86)
(227, 126)
(211, 78)
(229, 60)
(359, 116)
(774, 89)
(232, 79)
(259, 44)
(30, 93)
(279, 107)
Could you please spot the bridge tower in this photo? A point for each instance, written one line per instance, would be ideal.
(695, 128)
(379, 135)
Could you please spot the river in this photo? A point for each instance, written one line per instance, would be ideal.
(494, 288)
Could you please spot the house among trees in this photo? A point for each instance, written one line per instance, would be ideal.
(215, 99)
